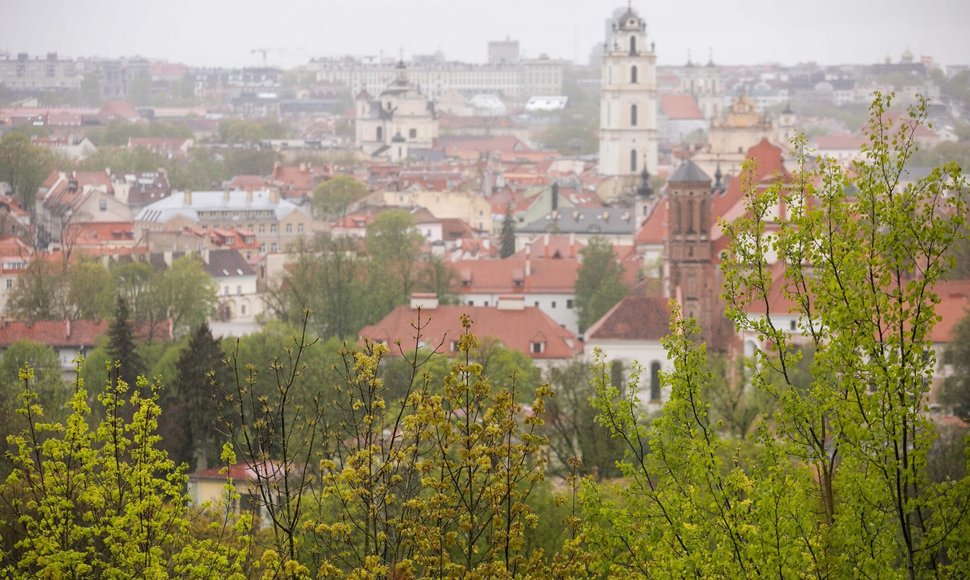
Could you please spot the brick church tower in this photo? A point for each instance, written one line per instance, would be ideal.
(692, 276)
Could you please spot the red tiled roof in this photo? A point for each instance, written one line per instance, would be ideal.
(499, 276)
(839, 141)
(680, 108)
(954, 305)
(239, 472)
(633, 318)
(53, 333)
(118, 110)
(516, 329)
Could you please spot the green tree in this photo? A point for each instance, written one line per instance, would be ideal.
(331, 198)
(394, 251)
(24, 166)
(330, 280)
(192, 403)
(52, 393)
(41, 292)
(955, 391)
(121, 345)
(837, 483)
(105, 502)
(185, 293)
(91, 291)
(508, 233)
(575, 439)
(599, 282)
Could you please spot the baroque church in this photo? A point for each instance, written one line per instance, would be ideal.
(398, 120)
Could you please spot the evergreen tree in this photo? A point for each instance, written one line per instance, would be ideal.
(121, 345)
(200, 373)
(508, 233)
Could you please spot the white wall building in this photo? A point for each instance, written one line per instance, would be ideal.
(628, 100)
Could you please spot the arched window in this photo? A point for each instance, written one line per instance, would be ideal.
(690, 216)
(655, 381)
(633, 115)
(633, 75)
(633, 160)
(380, 133)
(633, 45)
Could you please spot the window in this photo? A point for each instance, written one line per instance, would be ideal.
(103, 204)
(412, 133)
(272, 228)
(633, 115)
(380, 134)
(633, 45)
(793, 325)
(289, 228)
(238, 290)
(262, 228)
(225, 290)
(633, 75)
(299, 228)
(9, 283)
(553, 303)
(471, 302)
(633, 160)
(537, 347)
(569, 303)
(454, 346)
(655, 381)
(272, 247)
(242, 309)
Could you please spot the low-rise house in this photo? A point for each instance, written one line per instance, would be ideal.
(239, 300)
(207, 488)
(630, 332)
(517, 326)
(69, 338)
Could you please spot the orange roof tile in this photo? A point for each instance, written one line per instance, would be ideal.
(680, 108)
(516, 329)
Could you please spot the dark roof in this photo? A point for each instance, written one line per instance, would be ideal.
(226, 263)
(585, 220)
(689, 171)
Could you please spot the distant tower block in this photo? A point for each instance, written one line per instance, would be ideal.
(628, 101)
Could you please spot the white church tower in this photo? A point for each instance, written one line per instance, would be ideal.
(628, 99)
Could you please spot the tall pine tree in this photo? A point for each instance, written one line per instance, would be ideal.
(121, 345)
(508, 233)
(190, 405)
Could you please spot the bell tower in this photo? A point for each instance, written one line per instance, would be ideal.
(628, 99)
(689, 251)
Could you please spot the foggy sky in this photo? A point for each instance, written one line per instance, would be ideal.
(225, 32)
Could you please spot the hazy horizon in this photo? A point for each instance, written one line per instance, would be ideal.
(231, 33)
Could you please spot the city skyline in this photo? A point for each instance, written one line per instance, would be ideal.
(293, 31)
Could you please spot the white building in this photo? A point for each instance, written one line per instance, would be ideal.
(628, 100)
(399, 119)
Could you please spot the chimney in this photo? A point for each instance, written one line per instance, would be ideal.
(555, 196)
(528, 261)
(424, 301)
(67, 330)
(249, 197)
(188, 199)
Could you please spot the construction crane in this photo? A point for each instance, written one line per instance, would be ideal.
(278, 51)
